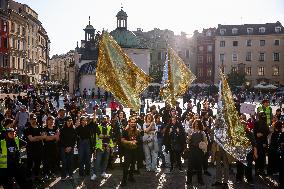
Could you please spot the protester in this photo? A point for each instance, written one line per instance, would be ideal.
(67, 140)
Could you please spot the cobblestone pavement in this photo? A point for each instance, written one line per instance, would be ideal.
(146, 180)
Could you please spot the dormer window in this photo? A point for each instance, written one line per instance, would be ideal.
(261, 30)
(277, 29)
(222, 31)
(208, 33)
(249, 30)
(235, 31)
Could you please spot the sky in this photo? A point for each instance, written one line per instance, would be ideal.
(64, 20)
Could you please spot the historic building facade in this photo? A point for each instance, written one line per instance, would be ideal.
(24, 50)
(82, 74)
(59, 67)
(205, 54)
(158, 41)
(256, 49)
(4, 40)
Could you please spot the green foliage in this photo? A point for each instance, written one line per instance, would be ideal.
(157, 76)
(236, 79)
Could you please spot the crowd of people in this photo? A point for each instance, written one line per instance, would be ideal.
(157, 140)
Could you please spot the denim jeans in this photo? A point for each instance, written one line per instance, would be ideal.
(160, 152)
(101, 161)
(67, 162)
(150, 156)
(84, 157)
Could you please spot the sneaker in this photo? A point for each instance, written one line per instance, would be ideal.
(93, 177)
(64, 178)
(104, 175)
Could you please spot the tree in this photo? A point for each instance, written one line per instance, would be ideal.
(236, 79)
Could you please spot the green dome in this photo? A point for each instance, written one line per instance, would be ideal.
(125, 38)
(89, 27)
(121, 13)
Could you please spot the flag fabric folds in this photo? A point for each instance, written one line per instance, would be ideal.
(176, 77)
(229, 132)
(117, 73)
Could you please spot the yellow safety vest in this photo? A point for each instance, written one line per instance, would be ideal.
(267, 111)
(3, 155)
(99, 141)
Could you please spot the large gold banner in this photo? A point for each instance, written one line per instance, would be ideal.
(117, 73)
(176, 77)
(229, 132)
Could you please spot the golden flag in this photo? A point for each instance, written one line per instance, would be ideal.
(176, 78)
(117, 73)
(229, 132)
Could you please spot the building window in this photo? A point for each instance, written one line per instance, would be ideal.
(200, 59)
(19, 45)
(209, 72)
(151, 56)
(248, 56)
(180, 53)
(261, 71)
(222, 57)
(209, 48)
(5, 43)
(248, 70)
(276, 42)
(222, 43)
(209, 58)
(19, 63)
(275, 70)
(262, 42)
(249, 30)
(208, 33)
(200, 72)
(261, 56)
(200, 48)
(234, 57)
(18, 29)
(13, 63)
(276, 57)
(235, 43)
(222, 31)
(234, 31)
(248, 43)
(277, 29)
(159, 56)
(12, 27)
(261, 30)
(234, 69)
(5, 26)
(187, 53)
